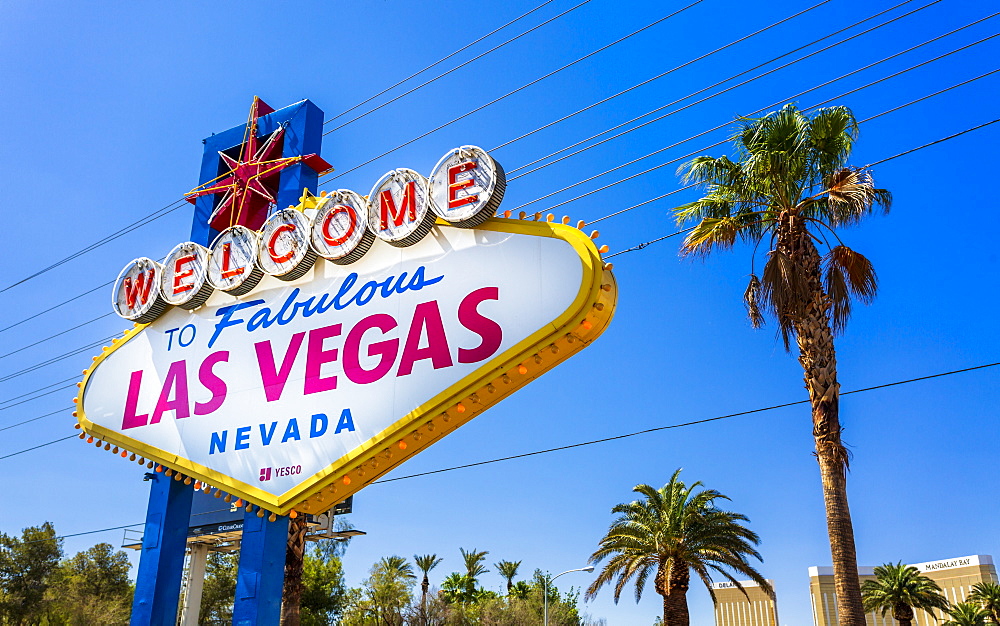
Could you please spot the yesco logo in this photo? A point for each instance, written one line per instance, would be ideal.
(464, 189)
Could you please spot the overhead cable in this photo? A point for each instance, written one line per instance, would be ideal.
(56, 306)
(521, 88)
(439, 76)
(31, 345)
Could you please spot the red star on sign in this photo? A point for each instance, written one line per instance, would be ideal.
(247, 187)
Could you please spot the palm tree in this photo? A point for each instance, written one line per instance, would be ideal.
(508, 569)
(987, 595)
(388, 588)
(901, 588)
(425, 564)
(675, 530)
(474, 567)
(967, 614)
(791, 186)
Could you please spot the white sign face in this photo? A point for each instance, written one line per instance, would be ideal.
(185, 276)
(399, 208)
(340, 227)
(137, 295)
(272, 389)
(467, 186)
(232, 266)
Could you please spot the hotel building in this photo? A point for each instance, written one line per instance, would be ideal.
(955, 577)
(732, 608)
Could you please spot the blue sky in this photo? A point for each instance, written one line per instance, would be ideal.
(105, 107)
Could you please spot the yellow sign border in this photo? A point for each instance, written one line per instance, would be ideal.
(585, 319)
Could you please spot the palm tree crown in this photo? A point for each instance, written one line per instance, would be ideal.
(670, 532)
(425, 564)
(474, 567)
(901, 588)
(508, 569)
(987, 595)
(791, 186)
(967, 614)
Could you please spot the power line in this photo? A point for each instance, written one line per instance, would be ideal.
(33, 419)
(672, 426)
(522, 87)
(41, 445)
(41, 395)
(155, 215)
(55, 359)
(442, 60)
(732, 87)
(54, 307)
(424, 84)
(718, 143)
(690, 95)
(641, 246)
(31, 345)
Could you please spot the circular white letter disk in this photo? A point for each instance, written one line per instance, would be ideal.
(398, 208)
(467, 186)
(340, 230)
(185, 281)
(232, 265)
(284, 250)
(137, 296)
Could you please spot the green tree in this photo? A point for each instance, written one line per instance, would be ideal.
(386, 593)
(458, 588)
(93, 587)
(323, 591)
(27, 568)
(791, 185)
(669, 533)
(901, 588)
(474, 560)
(987, 595)
(219, 589)
(966, 614)
(508, 569)
(425, 564)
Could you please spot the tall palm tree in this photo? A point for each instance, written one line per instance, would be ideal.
(425, 564)
(474, 567)
(967, 614)
(791, 186)
(388, 589)
(987, 595)
(675, 530)
(508, 569)
(901, 588)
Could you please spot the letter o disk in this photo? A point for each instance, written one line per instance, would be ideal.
(467, 186)
(185, 282)
(232, 265)
(137, 294)
(340, 231)
(284, 250)
(398, 208)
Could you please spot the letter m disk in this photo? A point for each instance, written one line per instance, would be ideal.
(407, 210)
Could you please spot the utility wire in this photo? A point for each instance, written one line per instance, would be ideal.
(790, 98)
(170, 208)
(439, 61)
(641, 246)
(424, 84)
(31, 345)
(670, 71)
(690, 95)
(54, 307)
(36, 366)
(41, 445)
(656, 167)
(521, 88)
(672, 426)
(9, 403)
(27, 421)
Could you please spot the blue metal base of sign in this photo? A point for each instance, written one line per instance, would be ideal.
(261, 573)
(161, 565)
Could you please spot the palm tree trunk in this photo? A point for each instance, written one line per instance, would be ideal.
(673, 586)
(903, 614)
(818, 358)
(291, 595)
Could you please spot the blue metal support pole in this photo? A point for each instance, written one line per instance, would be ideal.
(261, 573)
(161, 565)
